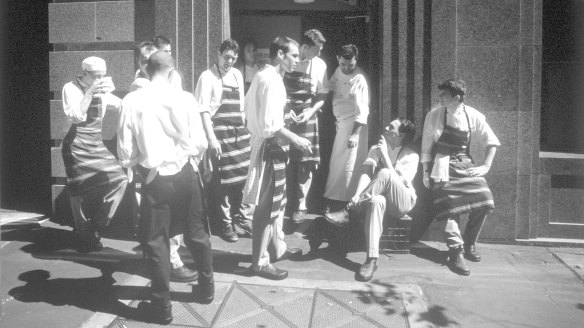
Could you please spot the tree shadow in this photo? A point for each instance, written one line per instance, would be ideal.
(393, 299)
(436, 316)
(384, 295)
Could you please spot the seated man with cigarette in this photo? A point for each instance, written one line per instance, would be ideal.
(385, 187)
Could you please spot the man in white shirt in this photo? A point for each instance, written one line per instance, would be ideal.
(457, 183)
(265, 103)
(220, 97)
(162, 43)
(179, 272)
(385, 188)
(162, 136)
(351, 110)
(307, 91)
(95, 180)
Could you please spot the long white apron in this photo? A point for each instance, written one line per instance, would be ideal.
(346, 164)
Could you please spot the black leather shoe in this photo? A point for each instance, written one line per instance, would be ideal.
(456, 261)
(270, 271)
(204, 293)
(471, 254)
(183, 274)
(155, 314)
(338, 218)
(367, 270)
(88, 241)
(227, 234)
(290, 254)
(243, 228)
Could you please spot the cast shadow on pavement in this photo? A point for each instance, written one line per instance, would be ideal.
(430, 254)
(391, 299)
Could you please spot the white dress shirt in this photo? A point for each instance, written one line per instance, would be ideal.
(265, 103)
(349, 102)
(481, 133)
(210, 89)
(160, 129)
(406, 165)
(72, 97)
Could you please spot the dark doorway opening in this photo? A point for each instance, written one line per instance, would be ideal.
(358, 26)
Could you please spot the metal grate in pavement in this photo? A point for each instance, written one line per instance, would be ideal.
(245, 305)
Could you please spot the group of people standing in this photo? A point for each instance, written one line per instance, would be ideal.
(246, 140)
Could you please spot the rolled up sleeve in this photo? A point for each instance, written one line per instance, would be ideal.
(72, 98)
(486, 134)
(362, 104)
(203, 94)
(428, 138)
(127, 146)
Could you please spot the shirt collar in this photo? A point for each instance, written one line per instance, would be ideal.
(457, 110)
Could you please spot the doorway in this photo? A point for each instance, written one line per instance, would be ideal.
(340, 24)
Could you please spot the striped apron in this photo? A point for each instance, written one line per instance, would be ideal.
(88, 163)
(277, 155)
(463, 193)
(299, 90)
(233, 137)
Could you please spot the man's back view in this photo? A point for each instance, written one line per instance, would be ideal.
(160, 133)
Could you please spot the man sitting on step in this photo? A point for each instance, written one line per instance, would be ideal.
(384, 187)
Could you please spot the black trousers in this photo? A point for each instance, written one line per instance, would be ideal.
(174, 200)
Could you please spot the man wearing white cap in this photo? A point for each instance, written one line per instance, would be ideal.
(95, 179)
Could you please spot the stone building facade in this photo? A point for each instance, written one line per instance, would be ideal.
(410, 46)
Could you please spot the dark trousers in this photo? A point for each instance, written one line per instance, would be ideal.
(176, 200)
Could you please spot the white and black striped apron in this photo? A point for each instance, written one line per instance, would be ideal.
(233, 137)
(462, 193)
(88, 163)
(299, 91)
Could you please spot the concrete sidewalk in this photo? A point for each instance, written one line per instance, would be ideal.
(46, 284)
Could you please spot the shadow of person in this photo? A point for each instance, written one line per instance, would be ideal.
(94, 294)
(431, 254)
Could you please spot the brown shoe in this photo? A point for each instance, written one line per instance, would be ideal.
(456, 261)
(270, 271)
(338, 218)
(367, 270)
(471, 254)
(183, 274)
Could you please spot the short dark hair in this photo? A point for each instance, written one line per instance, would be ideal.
(228, 44)
(160, 41)
(454, 87)
(148, 45)
(158, 62)
(408, 128)
(348, 51)
(281, 43)
(313, 37)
